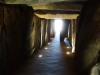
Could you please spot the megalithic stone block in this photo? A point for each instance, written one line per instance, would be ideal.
(43, 32)
(37, 36)
(17, 20)
(3, 49)
(52, 28)
(88, 41)
(47, 38)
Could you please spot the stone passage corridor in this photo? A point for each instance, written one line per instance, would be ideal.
(51, 60)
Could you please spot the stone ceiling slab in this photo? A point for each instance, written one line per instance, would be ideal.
(58, 16)
(59, 6)
(31, 2)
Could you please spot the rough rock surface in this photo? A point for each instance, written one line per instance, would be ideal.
(88, 37)
(14, 30)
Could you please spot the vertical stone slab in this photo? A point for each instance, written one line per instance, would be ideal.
(48, 30)
(13, 35)
(3, 50)
(37, 32)
(34, 36)
(77, 30)
(88, 41)
(52, 28)
(1, 18)
(1, 25)
(17, 21)
(43, 32)
(73, 35)
(30, 35)
(48, 27)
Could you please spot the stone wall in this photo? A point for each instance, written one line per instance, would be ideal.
(3, 50)
(48, 27)
(72, 34)
(21, 33)
(88, 37)
(43, 32)
(46, 36)
(15, 26)
(52, 32)
(37, 35)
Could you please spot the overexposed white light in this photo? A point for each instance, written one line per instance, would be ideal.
(68, 53)
(40, 56)
(46, 48)
(58, 25)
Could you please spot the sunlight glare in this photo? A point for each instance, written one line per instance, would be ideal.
(58, 25)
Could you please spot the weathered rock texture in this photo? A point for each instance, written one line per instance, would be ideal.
(47, 31)
(17, 24)
(43, 32)
(21, 32)
(3, 50)
(48, 27)
(52, 31)
(37, 35)
(72, 34)
(88, 37)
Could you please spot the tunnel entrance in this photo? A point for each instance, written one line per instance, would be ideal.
(58, 25)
